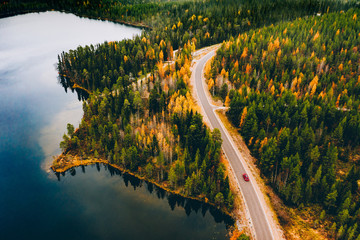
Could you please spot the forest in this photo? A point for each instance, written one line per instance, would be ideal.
(149, 125)
(210, 22)
(294, 95)
(108, 72)
(292, 90)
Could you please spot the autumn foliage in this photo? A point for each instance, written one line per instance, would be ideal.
(297, 107)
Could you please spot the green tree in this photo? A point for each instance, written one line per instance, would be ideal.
(230, 200)
(308, 192)
(65, 143)
(243, 236)
(172, 177)
(224, 91)
(296, 192)
(314, 155)
(137, 103)
(133, 156)
(332, 231)
(343, 216)
(188, 186)
(269, 156)
(351, 232)
(154, 101)
(322, 215)
(340, 232)
(149, 170)
(330, 200)
(70, 130)
(219, 199)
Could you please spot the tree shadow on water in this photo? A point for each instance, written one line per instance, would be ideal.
(173, 200)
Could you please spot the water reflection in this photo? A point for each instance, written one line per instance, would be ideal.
(34, 111)
(173, 200)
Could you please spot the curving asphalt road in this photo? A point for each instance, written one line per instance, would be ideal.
(257, 216)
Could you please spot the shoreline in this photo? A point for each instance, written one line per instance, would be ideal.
(76, 162)
(127, 23)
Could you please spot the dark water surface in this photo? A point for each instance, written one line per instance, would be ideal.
(93, 202)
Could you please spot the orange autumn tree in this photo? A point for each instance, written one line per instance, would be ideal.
(298, 92)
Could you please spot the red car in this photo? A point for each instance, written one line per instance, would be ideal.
(246, 177)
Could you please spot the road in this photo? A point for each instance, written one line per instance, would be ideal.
(255, 209)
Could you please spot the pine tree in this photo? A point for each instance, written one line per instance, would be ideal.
(308, 192)
(219, 199)
(172, 177)
(330, 199)
(350, 233)
(322, 215)
(70, 130)
(230, 200)
(188, 186)
(296, 192)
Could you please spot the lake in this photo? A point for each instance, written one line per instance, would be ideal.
(93, 202)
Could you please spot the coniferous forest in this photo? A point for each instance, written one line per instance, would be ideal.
(148, 125)
(289, 71)
(294, 96)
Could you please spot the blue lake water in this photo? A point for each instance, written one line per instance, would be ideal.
(92, 202)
